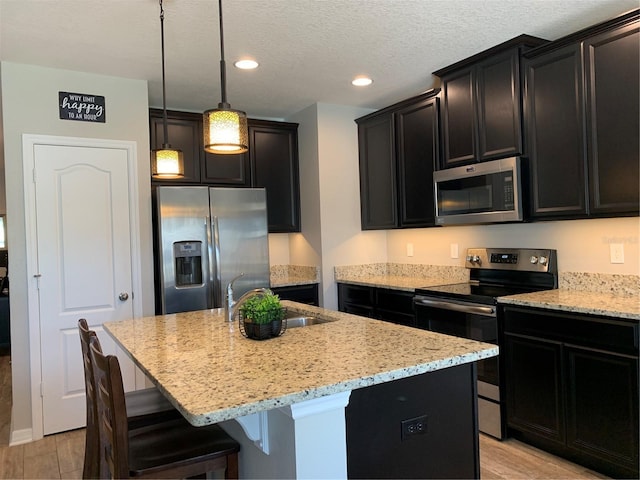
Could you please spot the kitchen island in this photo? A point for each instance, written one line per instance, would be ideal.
(284, 399)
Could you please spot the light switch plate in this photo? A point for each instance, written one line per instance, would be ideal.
(454, 250)
(409, 249)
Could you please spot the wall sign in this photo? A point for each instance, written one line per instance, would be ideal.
(83, 107)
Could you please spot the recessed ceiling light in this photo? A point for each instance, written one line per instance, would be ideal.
(361, 81)
(246, 64)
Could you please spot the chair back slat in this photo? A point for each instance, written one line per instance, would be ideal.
(112, 413)
(91, 467)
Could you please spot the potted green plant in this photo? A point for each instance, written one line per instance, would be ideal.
(262, 316)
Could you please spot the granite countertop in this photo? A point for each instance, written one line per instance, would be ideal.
(405, 277)
(212, 373)
(290, 275)
(579, 301)
(611, 295)
(407, 284)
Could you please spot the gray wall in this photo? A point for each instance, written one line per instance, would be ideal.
(30, 105)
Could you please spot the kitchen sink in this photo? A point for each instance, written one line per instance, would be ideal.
(305, 321)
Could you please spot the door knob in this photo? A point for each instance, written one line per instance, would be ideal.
(124, 296)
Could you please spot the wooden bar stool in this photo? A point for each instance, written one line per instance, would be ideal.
(143, 406)
(171, 449)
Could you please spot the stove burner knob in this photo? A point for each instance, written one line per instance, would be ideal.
(476, 259)
(543, 260)
(533, 259)
(469, 258)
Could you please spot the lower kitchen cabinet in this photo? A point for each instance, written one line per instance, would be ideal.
(572, 386)
(394, 306)
(298, 293)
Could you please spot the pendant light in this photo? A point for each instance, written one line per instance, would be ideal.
(225, 129)
(166, 162)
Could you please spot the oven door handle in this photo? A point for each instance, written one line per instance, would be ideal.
(456, 307)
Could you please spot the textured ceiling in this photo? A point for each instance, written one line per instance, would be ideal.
(309, 50)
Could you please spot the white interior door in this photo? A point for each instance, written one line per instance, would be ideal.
(84, 267)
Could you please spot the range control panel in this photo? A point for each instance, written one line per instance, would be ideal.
(524, 259)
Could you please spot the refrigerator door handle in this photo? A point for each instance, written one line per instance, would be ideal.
(216, 277)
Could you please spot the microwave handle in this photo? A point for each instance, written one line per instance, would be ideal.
(456, 307)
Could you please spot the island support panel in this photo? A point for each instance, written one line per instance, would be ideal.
(423, 426)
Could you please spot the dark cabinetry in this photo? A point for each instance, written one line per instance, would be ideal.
(299, 293)
(572, 386)
(273, 149)
(482, 104)
(556, 137)
(443, 402)
(582, 122)
(5, 325)
(185, 133)
(272, 162)
(612, 66)
(398, 151)
(382, 303)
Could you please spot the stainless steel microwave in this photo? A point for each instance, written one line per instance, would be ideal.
(488, 192)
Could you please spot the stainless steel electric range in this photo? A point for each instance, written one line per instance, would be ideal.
(469, 310)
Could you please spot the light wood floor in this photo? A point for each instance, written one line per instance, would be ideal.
(61, 456)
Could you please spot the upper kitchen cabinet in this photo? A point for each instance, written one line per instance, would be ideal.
(398, 151)
(273, 149)
(185, 133)
(271, 162)
(555, 133)
(612, 66)
(231, 170)
(482, 104)
(582, 122)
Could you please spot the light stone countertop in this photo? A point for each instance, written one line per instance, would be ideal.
(610, 295)
(400, 276)
(290, 275)
(212, 373)
(291, 280)
(395, 282)
(579, 301)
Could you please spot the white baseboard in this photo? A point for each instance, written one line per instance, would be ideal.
(18, 437)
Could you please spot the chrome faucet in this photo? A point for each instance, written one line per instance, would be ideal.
(231, 306)
(228, 300)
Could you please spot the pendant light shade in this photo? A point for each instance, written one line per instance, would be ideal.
(166, 162)
(224, 129)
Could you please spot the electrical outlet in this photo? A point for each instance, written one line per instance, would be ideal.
(617, 252)
(454, 250)
(413, 426)
(409, 249)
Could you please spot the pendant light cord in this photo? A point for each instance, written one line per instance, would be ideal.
(164, 94)
(223, 67)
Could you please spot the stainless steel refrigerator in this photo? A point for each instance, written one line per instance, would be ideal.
(206, 237)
